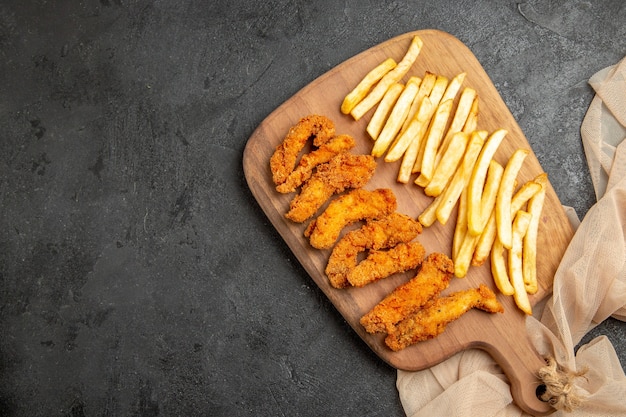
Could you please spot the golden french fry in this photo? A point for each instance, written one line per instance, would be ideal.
(453, 87)
(421, 180)
(433, 138)
(490, 192)
(426, 87)
(476, 219)
(488, 236)
(505, 194)
(472, 117)
(396, 117)
(414, 132)
(460, 228)
(365, 85)
(529, 251)
(448, 166)
(499, 269)
(485, 242)
(435, 97)
(464, 258)
(451, 194)
(392, 77)
(379, 117)
(462, 242)
(435, 133)
(410, 154)
(495, 175)
(520, 226)
(429, 215)
(438, 90)
(456, 190)
(460, 117)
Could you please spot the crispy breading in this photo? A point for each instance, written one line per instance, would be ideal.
(283, 160)
(433, 277)
(342, 172)
(373, 235)
(358, 204)
(382, 264)
(309, 161)
(432, 320)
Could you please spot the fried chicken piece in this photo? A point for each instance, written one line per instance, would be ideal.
(433, 277)
(343, 171)
(358, 204)
(373, 235)
(432, 320)
(309, 161)
(283, 161)
(381, 264)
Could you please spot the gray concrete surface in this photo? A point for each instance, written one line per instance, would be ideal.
(138, 276)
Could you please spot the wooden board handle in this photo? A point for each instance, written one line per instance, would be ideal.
(520, 362)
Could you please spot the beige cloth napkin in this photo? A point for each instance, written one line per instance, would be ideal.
(589, 286)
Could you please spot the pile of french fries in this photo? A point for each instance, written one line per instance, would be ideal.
(418, 123)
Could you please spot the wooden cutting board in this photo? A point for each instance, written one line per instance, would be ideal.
(501, 335)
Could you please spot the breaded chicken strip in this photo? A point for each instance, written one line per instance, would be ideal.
(381, 264)
(432, 320)
(373, 235)
(342, 172)
(309, 161)
(358, 204)
(283, 161)
(433, 277)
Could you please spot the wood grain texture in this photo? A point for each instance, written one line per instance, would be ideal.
(502, 335)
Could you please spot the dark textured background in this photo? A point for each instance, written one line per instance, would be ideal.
(138, 276)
